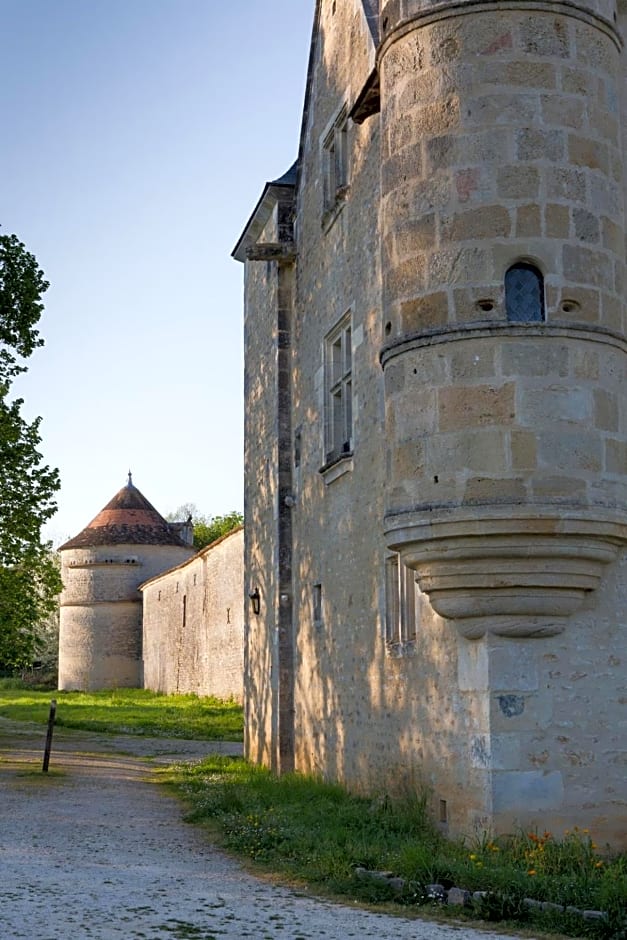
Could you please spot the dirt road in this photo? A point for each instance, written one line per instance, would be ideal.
(95, 850)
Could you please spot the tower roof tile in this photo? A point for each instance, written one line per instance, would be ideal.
(127, 519)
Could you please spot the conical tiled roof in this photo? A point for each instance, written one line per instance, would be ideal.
(128, 519)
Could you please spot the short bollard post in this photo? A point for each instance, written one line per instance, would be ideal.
(51, 717)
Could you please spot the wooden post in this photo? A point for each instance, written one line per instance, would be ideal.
(51, 717)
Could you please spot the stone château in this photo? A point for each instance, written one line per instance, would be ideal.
(436, 422)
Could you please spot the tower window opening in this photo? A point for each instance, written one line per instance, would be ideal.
(524, 294)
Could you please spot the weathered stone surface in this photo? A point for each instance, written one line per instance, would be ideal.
(476, 406)
(193, 626)
(488, 454)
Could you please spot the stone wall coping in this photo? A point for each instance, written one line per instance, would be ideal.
(531, 519)
(487, 330)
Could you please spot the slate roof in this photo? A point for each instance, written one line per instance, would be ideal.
(289, 178)
(128, 519)
(371, 9)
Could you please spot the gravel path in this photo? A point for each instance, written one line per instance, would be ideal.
(98, 852)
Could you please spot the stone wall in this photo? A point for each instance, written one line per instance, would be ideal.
(478, 159)
(193, 634)
(261, 501)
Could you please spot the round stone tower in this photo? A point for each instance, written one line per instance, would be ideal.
(503, 302)
(100, 635)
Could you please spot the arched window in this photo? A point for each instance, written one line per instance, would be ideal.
(524, 294)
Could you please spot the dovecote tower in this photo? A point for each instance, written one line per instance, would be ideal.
(100, 638)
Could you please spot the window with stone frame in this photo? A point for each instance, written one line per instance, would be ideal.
(402, 606)
(524, 294)
(335, 161)
(338, 369)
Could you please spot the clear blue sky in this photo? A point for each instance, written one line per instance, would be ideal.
(136, 138)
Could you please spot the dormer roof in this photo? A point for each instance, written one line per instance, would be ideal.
(273, 191)
(127, 519)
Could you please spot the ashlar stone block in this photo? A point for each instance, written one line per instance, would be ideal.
(518, 182)
(476, 406)
(424, 313)
(527, 791)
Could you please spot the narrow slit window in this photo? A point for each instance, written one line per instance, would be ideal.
(317, 604)
(524, 294)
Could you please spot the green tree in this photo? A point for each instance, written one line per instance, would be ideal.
(29, 576)
(206, 528)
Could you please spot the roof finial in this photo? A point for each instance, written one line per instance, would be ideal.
(130, 479)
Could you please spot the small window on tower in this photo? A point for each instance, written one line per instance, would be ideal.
(524, 294)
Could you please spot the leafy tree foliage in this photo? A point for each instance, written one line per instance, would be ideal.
(29, 575)
(207, 528)
(22, 284)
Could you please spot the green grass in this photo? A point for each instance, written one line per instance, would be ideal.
(319, 834)
(127, 711)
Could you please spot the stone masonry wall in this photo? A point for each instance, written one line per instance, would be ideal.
(443, 187)
(193, 631)
(261, 460)
(370, 714)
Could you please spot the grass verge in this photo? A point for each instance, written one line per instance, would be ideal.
(127, 711)
(319, 834)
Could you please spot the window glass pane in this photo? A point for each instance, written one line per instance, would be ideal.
(341, 174)
(409, 604)
(392, 596)
(338, 407)
(348, 353)
(524, 294)
(336, 360)
(338, 424)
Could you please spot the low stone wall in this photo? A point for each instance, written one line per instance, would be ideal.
(193, 623)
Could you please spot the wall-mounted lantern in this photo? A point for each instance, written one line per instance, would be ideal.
(255, 600)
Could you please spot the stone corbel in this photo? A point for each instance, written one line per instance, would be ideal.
(516, 576)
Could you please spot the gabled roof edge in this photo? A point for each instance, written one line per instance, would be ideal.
(206, 550)
(272, 192)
